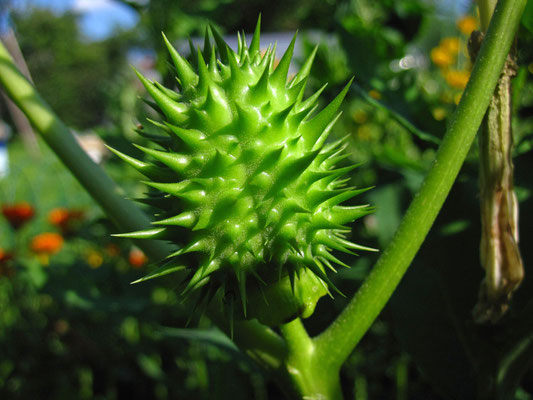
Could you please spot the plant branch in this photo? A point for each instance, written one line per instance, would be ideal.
(261, 343)
(308, 376)
(337, 342)
(298, 341)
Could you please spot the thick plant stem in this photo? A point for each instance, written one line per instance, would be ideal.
(121, 211)
(336, 343)
(308, 376)
(261, 343)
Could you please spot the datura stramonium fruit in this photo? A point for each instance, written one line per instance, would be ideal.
(246, 181)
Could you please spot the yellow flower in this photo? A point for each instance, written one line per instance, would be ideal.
(94, 259)
(457, 79)
(450, 44)
(439, 113)
(359, 116)
(467, 24)
(375, 94)
(364, 132)
(441, 57)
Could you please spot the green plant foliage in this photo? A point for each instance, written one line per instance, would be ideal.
(258, 193)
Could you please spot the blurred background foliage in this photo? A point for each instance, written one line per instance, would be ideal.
(71, 326)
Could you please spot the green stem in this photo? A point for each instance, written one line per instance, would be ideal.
(336, 343)
(121, 211)
(257, 340)
(308, 376)
(261, 343)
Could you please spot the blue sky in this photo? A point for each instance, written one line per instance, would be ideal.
(98, 18)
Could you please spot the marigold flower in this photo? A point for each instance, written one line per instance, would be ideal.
(457, 79)
(112, 250)
(137, 258)
(450, 44)
(64, 218)
(467, 24)
(5, 256)
(441, 57)
(58, 216)
(47, 243)
(5, 268)
(18, 214)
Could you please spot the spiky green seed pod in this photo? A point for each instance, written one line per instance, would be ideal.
(247, 181)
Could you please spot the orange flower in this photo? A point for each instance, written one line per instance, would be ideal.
(5, 268)
(47, 243)
(112, 250)
(441, 57)
(5, 256)
(467, 24)
(58, 216)
(457, 79)
(137, 258)
(64, 218)
(18, 214)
